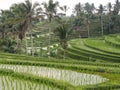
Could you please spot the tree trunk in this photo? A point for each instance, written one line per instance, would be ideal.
(49, 41)
(102, 26)
(88, 31)
(3, 35)
(109, 25)
(39, 50)
(64, 54)
(32, 48)
(50, 19)
(88, 27)
(19, 45)
(26, 44)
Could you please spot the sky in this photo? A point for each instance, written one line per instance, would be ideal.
(5, 4)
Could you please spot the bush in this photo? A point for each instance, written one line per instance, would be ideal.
(8, 45)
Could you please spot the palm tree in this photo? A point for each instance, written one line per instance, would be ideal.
(78, 9)
(116, 7)
(64, 8)
(100, 11)
(50, 12)
(19, 23)
(115, 16)
(89, 8)
(50, 9)
(93, 8)
(27, 13)
(32, 12)
(62, 31)
(109, 7)
(4, 23)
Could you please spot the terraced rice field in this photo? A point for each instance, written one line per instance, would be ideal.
(91, 64)
(69, 76)
(9, 83)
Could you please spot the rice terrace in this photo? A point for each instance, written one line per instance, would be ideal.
(45, 47)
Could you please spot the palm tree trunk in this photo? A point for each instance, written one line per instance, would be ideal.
(19, 45)
(31, 37)
(50, 19)
(39, 49)
(102, 26)
(26, 44)
(88, 31)
(64, 54)
(109, 25)
(3, 34)
(88, 27)
(32, 48)
(49, 41)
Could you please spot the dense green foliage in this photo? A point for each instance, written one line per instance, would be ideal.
(27, 20)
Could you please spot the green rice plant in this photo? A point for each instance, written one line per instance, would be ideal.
(38, 80)
(63, 75)
(79, 44)
(112, 41)
(102, 46)
(118, 38)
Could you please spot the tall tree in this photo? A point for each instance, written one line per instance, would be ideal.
(63, 31)
(100, 11)
(32, 12)
(64, 8)
(78, 9)
(109, 7)
(4, 23)
(26, 13)
(88, 8)
(115, 17)
(51, 13)
(116, 7)
(93, 8)
(50, 9)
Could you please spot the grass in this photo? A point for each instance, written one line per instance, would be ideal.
(78, 47)
(102, 46)
(112, 41)
(28, 77)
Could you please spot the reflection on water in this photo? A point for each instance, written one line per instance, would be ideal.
(74, 78)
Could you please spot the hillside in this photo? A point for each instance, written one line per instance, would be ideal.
(95, 49)
(97, 60)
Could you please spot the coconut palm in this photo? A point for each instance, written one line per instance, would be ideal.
(63, 31)
(51, 12)
(109, 7)
(26, 13)
(100, 11)
(93, 8)
(89, 9)
(78, 9)
(19, 23)
(64, 8)
(32, 12)
(4, 23)
(116, 7)
(50, 9)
